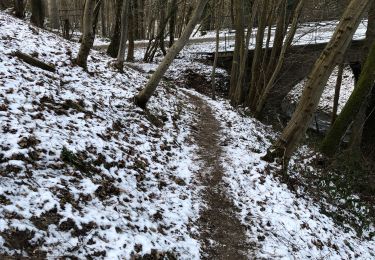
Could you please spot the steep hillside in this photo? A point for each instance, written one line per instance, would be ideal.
(83, 171)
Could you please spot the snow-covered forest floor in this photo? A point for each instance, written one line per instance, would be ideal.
(84, 173)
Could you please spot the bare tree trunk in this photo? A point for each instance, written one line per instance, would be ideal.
(88, 34)
(37, 13)
(142, 98)
(124, 35)
(103, 20)
(218, 8)
(172, 22)
(239, 43)
(115, 41)
(360, 119)
(332, 54)
(141, 20)
(337, 92)
(53, 10)
(162, 24)
(19, 9)
(232, 18)
(182, 19)
(254, 87)
(132, 30)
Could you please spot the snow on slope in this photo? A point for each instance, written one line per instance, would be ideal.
(83, 172)
(286, 226)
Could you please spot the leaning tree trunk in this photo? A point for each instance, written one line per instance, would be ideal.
(19, 9)
(37, 13)
(124, 35)
(360, 119)
(352, 107)
(332, 54)
(142, 98)
(88, 35)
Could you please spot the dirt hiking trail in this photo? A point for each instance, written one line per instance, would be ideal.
(221, 234)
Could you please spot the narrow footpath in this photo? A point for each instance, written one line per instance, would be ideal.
(221, 234)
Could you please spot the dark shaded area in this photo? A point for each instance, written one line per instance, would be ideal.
(201, 84)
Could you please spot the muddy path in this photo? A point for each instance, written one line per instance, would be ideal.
(221, 234)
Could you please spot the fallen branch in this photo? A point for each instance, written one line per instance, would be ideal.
(34, 61)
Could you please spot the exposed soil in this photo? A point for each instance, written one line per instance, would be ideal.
(202, 85)
(221, 233)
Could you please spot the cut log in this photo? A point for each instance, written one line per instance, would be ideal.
(34, 61)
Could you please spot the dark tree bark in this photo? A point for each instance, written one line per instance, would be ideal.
(66, 29)
(132, 30)
(37, 13)
(207, 18)
(19, 9)
(172, 21)
(141, 19)
(136, 20)
(232, 18)
(337, 93)
(115, 41)
(103, 20)
(162, 25)
(53, 12)
(239, 43)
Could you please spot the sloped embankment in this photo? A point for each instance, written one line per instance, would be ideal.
(83, 172)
